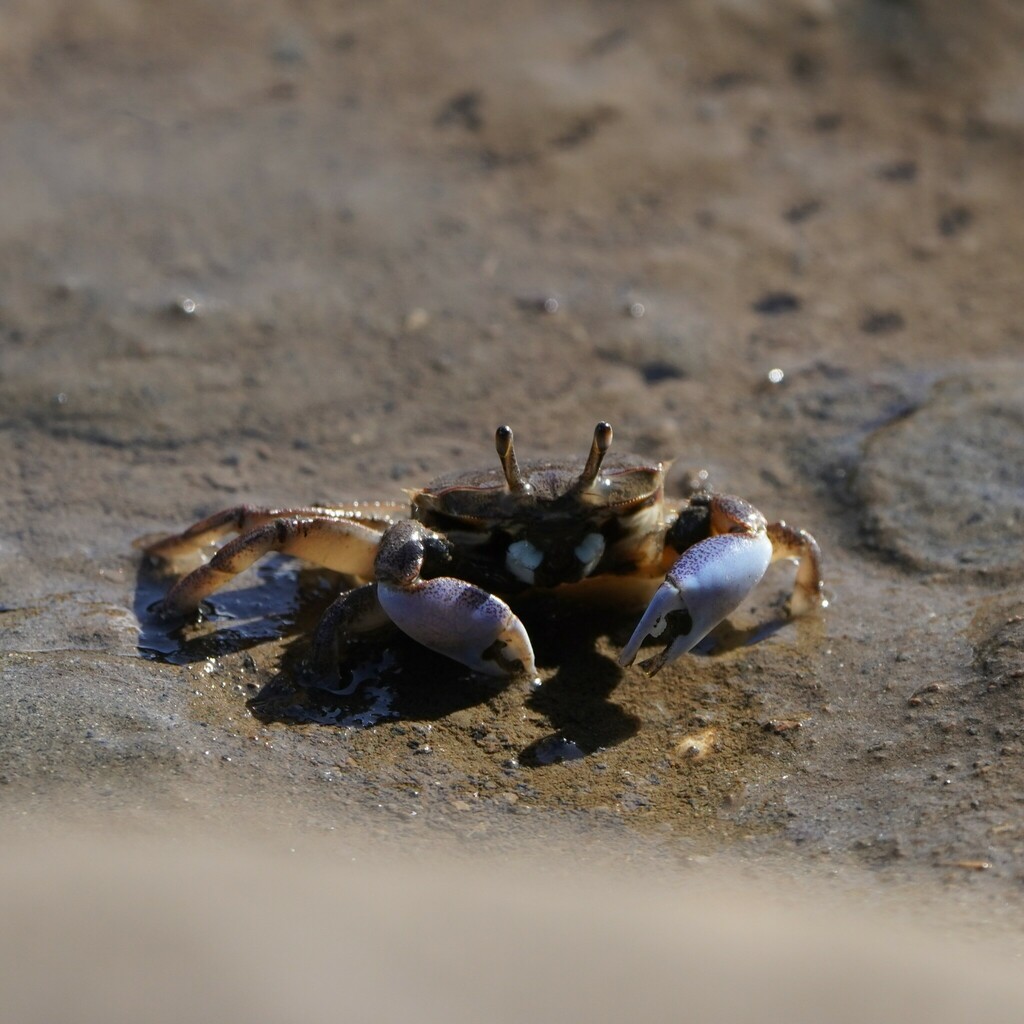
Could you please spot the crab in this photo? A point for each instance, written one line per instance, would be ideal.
(440, 570)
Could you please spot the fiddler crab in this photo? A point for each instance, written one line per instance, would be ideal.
(435, 571)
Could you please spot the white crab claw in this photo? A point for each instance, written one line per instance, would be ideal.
(701, 589)
(461, 622)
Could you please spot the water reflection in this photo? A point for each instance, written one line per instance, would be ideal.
(282, 602)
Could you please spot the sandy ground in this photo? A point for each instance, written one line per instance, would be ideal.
(318, 251)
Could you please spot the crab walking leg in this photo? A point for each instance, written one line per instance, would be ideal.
(341, 545)
(788, 542)
(701, 589)
(353, 615)
(242, 518)
(462, 622)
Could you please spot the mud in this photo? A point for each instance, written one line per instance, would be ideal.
(318, 252)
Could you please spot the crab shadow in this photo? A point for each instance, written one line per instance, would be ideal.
(400, 680)
(577, 699)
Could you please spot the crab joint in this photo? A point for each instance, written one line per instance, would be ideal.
(700, 590)
(462, 622)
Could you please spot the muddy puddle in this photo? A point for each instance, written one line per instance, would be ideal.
(319, 252)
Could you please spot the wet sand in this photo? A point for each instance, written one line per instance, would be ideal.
(318, 253)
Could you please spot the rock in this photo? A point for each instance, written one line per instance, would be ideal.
(942, 487)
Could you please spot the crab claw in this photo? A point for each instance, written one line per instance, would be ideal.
(701, 589)
(461, 622)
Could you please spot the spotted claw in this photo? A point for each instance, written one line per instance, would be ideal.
(462, 622)
(707, 583)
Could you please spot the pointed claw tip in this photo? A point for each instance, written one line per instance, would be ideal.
(803, 603)
(652, 666)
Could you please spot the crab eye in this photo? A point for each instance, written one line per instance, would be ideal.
(598, 449)
(509, 463)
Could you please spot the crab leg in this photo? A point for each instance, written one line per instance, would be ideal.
(354, 614)
(788, 542)
(242, 518)
(342, 545)
(715, 574)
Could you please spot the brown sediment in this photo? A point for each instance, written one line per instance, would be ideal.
(281, 260)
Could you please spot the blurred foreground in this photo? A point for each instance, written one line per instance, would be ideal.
(190, 929)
